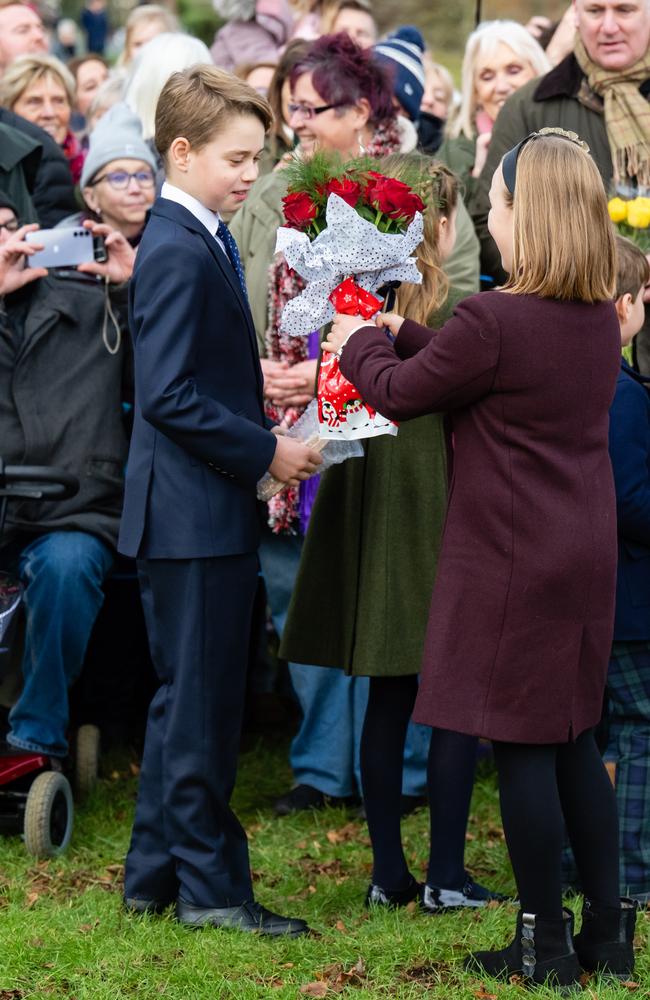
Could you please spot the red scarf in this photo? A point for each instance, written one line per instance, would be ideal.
(74, 154)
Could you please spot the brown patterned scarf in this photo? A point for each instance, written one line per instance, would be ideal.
(627, 113)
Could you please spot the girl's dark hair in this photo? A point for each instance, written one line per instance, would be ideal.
(343, 73)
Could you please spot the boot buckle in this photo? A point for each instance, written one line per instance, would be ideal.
(528, 956)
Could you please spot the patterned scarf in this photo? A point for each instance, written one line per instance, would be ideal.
(627, 113)
(284, 285)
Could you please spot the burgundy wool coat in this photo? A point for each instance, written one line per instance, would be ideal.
(522, 612)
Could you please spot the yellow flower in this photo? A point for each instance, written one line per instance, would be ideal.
(638, 213)
(617, 210)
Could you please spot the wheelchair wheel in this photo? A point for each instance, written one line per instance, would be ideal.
(86, 764)
(49, 814)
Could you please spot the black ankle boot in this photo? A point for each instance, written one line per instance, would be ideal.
(606, 940)
(542, 952)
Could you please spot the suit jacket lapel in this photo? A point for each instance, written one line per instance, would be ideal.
(178, 213)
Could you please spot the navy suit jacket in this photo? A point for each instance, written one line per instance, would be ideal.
(200, 439)
(629, 447)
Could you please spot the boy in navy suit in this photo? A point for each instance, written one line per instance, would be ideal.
(628, 681)
(200, 444)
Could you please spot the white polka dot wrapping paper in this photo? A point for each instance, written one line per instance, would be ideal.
(349, 246)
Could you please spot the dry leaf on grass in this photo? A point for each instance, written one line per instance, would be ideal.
(11, 995)
(351, 831)
(482, 994)
(87, 928)
(314, 989)
(335, 978)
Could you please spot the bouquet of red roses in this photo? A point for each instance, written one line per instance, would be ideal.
(350, 230)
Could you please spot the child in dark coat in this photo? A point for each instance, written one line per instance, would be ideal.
(628, 680)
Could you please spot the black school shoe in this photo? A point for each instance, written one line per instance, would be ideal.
(145, 907)
(392, 898)
(304, 797)
(250, 916)
(436, 900)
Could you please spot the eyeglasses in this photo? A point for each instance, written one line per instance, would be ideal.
(307, 112)
(12, 225)
(119, 179)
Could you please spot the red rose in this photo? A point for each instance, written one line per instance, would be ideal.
(394, 198)
(299, 210)
(345, 188)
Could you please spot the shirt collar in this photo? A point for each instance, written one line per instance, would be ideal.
(204, 215)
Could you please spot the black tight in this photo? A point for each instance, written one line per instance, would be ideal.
(545, 789)
(450, 776)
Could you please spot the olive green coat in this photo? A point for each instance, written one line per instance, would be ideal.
(362, 595)
(459, 155)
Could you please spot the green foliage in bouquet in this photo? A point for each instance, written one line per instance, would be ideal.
(389, 202)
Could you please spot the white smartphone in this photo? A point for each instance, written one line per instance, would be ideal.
(61, 247)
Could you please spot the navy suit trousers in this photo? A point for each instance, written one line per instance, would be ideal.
(186, 840)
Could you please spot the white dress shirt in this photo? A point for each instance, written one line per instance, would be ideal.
(205, 216)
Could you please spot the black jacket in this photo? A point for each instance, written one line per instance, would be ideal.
(61, 396)
(52, 191)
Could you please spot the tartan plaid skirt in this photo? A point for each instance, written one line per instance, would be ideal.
(628, 718)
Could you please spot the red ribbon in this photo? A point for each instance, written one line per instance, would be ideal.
(352, 300)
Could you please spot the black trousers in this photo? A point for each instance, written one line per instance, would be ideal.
(186, 840)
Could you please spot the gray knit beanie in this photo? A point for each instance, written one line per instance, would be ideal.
(116, 136)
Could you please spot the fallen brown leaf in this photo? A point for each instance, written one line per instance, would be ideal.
(631, 986)
(351, 831)
(482, 994)
(340, 926)
(314, 989)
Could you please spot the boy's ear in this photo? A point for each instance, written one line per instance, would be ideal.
(178, 153)
(623, 306)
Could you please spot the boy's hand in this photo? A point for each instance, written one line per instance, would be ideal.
(121, 255)
(293, 461)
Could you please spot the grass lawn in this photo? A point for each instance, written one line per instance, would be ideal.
(63, 933)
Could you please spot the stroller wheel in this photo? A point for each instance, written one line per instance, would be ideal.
(49, 815)
(86, 764)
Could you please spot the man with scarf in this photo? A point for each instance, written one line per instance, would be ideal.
(600, 91)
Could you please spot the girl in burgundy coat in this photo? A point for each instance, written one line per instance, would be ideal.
(522, 612)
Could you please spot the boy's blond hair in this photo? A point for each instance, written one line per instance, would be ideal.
(632, 268)
(197, 104)
(563, 244)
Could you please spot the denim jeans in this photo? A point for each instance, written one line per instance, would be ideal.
(63, 573)
(325, 751)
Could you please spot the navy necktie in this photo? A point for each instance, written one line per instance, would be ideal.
(231, 249)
